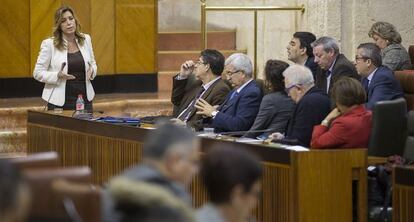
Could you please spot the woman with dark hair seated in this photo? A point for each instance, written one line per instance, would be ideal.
(276, 107)
(232, 179)
(348, 125)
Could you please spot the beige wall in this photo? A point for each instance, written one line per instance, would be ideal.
(346, 20)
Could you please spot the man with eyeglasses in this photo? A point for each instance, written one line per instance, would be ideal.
(207, 85)
(378, 81)
(333, 64)
(312, 106)
(238, 111)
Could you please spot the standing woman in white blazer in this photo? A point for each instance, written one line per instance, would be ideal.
(66, 63)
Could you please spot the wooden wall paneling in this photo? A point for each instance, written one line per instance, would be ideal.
(14, 38)
(42, 16)
(135, 36)
(103, 34)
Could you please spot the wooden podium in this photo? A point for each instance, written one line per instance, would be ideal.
(403, 194)
(297, 186)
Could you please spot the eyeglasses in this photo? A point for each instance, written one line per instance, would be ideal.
(287, 90)
(357, 58)
(199, 62)
(230, 73)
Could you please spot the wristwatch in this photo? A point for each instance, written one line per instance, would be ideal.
(214, 113)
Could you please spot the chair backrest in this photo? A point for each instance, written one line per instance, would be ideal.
(46, 205)
(80, 200)
(389, 128)
(37, 160)
(409, 142)
(406, 79)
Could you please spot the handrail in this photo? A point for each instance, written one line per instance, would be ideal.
(255, 9)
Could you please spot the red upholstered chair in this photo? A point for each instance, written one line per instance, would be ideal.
(411, 53)
(46, 204)
(406, 79)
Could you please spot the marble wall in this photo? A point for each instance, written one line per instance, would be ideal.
(346, 20)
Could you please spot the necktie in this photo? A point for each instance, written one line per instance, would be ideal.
(234, 94)
(365, 83)
(186, 113)
(328, 80)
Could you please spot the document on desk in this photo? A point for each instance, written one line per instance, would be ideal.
(249, 140)
(295, 148)
(288, 147)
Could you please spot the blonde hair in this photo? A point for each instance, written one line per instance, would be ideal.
(386, 31)
(57, 31)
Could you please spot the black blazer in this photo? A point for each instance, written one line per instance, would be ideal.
(310, 111)
(342, 67)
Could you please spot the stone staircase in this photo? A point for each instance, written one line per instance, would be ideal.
(176, 47)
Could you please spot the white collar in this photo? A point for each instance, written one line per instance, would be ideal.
(242, 86)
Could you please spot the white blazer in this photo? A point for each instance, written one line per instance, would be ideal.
(49, 64)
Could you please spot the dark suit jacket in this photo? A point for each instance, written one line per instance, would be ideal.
(310, 63)
(238, 113)
(383, 86)
(274, 113)
(310, 111)
(342, 67)
(351, 130)
(215, 95)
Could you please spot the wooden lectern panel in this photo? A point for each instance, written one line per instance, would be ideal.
(308, 186)
(403, 194)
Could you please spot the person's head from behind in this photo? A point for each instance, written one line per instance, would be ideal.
(14, 194)
(298, 80)
(175, 149)
(348, 92)
(384, 34)
(299, 47)
(66, 24)
(147, 202)
(210, 62)
(325, 50)
(232, 179)
(239, 69)
(367, 58)
(274, 75)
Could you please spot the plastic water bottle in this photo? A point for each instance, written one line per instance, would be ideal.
(80, 104)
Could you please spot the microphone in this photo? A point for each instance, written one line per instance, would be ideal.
(51, 93)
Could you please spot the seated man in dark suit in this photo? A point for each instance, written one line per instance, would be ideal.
(333, 64)
(378, 81)
(300, 51)
(208, 86)
(312, 106)
(241, 106)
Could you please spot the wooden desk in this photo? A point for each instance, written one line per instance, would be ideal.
(403, 194)
(297, 186)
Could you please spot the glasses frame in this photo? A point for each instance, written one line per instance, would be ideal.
(288, 89)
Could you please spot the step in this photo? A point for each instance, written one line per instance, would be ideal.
(224, 40)
(172, 60)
